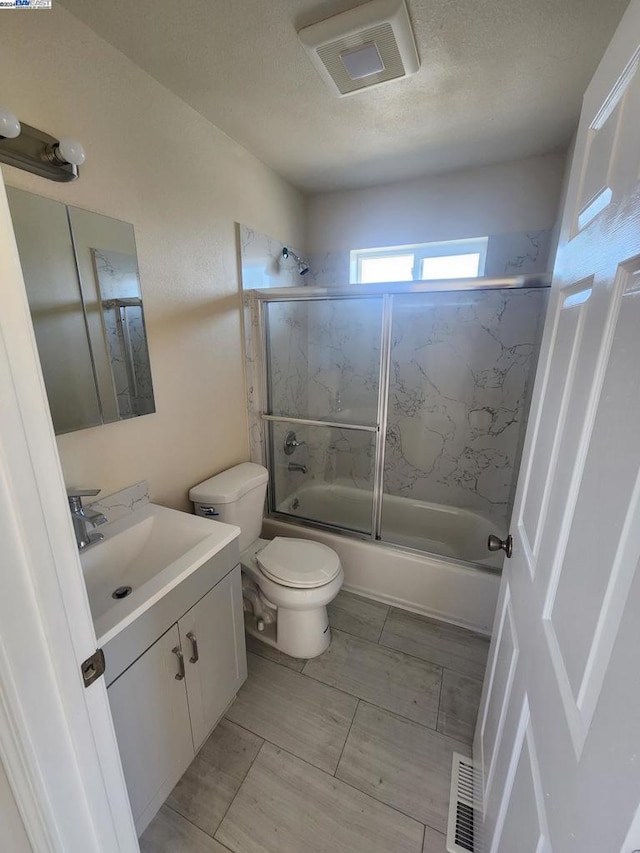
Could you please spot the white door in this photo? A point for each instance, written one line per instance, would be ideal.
(212, 638)
(151, 717)
(558, 736)
(57, 744)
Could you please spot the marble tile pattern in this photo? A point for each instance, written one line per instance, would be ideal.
(117, 361)
(125, 334)
(330, 455)
(324, 362)
(324, 359)
(520, 253)
(121, 503)
(261, 261)
(329, 269)
(517, 253)
(253, 360)
(136, 399)
(258, 786)
(144, 402)
(462, 370)
(261, 265)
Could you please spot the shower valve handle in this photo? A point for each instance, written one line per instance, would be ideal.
(495, 543)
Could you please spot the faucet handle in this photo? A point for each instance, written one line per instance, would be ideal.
(82, 493)
(74, 496)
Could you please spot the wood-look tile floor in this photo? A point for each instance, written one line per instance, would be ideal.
(346, 753)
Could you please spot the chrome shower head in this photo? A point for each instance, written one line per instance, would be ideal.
(303, 266)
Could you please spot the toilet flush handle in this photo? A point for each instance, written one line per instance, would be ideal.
(209, 511)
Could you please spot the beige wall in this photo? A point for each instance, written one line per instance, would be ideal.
(155, 162)
(519, 196)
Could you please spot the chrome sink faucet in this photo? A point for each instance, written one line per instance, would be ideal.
(82, 516)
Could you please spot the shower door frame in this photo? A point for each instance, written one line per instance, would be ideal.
(385, 291)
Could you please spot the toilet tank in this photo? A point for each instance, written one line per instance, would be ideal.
(235, 496)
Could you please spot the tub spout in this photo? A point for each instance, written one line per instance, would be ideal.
(296, 466)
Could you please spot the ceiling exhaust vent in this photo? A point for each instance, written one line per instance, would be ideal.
(364, 47)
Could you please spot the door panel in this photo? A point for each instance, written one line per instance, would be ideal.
(520, 827)
(568, 329)
(557, 744)
(501, 671)
(216, 628)
(612, 467)
(611, 160)
(151, 719)
(563, 481)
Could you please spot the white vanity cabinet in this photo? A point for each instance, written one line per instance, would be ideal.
(166, 703)
(212, 638)
(151, 719)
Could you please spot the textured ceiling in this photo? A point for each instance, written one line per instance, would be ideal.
(500, 80)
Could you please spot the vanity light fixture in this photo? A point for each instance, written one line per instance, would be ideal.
(9, 124)
(28, 148)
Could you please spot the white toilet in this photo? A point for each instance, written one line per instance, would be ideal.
(286, 583)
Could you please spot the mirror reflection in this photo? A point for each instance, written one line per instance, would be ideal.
(81, 275)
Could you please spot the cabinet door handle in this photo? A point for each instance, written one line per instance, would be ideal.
(195, 657)
(178, 653)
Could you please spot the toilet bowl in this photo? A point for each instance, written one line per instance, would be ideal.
(287, 583)
(295, 580)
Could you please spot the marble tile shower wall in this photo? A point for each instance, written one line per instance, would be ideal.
(261, 261)
(324, 362)
(131, 378)
(519, 253)
(262, 265)
(462, 368)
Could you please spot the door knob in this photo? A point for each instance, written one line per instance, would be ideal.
(495, 543)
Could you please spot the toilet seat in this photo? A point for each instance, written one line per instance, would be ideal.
(298, 563)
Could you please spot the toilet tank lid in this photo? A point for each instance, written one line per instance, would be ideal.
(229, 485)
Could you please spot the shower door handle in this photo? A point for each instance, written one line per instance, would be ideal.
(495, 543)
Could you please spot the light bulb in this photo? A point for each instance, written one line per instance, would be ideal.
(71, 151)
(9, 124)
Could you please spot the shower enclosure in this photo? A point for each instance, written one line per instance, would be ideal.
(397, 412)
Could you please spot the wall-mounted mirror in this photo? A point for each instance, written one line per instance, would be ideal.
(81, 274)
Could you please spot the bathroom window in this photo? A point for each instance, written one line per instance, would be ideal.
(424, 261)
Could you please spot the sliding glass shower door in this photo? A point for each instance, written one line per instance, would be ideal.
(323, 389)
(401, 416)
(461, 371)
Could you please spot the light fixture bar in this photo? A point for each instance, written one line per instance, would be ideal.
(35, 151)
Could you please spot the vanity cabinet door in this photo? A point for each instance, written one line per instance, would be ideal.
(212, 638)
(151, 719)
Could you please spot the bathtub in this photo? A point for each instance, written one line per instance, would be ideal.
(443, 583)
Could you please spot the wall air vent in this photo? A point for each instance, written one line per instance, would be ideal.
(364, 47)
(462, 806)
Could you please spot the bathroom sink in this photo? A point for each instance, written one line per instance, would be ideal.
(152, 551)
